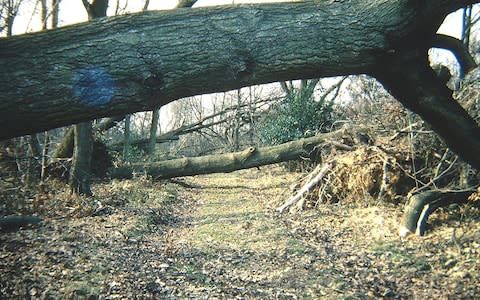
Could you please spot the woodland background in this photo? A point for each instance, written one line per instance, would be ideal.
(363, 150)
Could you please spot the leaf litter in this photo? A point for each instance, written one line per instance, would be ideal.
(220, 238)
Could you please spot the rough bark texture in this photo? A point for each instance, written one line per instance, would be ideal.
(34, 154)
(139, 62)
(65, 148)
(248, 158)
(80, 176)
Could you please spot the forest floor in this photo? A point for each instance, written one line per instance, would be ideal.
(218, 237)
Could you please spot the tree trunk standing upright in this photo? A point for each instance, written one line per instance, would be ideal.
(11, 7)
(34, 153)
(251, 117)
(46, 146)
(55, 10)
(465, 175)
(237, 122)
(44, 14)
(126, 139)
(80, 173)
(153, 132)
(466, 25)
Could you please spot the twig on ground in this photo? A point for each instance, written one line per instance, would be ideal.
(321, 173)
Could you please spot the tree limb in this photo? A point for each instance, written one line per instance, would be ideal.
(465, 59)
(420, 206)
(421, 91)
(320, 171)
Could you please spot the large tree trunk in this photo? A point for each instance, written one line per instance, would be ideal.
(433, 101)
(139, 62)
(34, 154)
(248, 158)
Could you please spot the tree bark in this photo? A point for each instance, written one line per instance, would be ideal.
(46, 146)
(139, 62)
(43, 14)
(55, 10)
(80, 176)
(126, 139)
(248, 158)
(34, 154)
(153, 132)
(80, 173)
(65, 148)
(432, 100)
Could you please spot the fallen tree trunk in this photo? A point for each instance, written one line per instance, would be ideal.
(189, 128)
(138, 62)
(218, 163)
(166, 137)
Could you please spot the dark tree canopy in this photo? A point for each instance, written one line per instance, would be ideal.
(120, 65)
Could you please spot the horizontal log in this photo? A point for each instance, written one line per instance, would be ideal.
(220, 163)
(139, 62)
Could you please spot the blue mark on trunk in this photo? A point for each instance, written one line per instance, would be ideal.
(93, 86)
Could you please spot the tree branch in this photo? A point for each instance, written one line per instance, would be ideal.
(466, 61)
(411, 81)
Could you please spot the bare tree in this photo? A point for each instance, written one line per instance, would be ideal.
(8, 12)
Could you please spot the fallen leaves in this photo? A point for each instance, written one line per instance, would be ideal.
(222, 240)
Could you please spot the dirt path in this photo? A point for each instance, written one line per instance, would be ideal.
(239, 247)
(236, 247)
